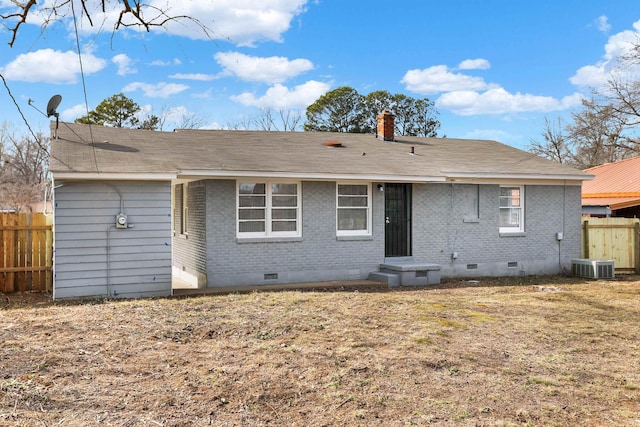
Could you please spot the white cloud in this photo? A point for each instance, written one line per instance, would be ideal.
(242, 22)
(74, 112)
(498, 101)
(161, 63)
(602, 23)
(159, 90)
(596, 75)
(193, 76)
(124, 64)
(440, 78)
(474, 64)
(281, 97)
(274, 69)
(468, 95)
(212, 126)
(51, 66)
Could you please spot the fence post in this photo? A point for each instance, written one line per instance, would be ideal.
(636, 248)
(585, 238)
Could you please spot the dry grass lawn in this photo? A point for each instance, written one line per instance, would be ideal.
(510, 352)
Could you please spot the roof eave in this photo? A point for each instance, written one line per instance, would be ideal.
(516, 176)
(93, 176)
(312, 176)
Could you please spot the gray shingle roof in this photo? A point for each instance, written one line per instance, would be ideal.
(83, 149)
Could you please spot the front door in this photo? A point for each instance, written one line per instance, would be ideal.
(397, 219)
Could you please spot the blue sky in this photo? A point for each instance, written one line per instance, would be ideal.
(494, 68)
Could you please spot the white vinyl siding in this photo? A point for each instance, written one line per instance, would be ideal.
(268, 209)
(512, 209)
(353, 209)
(94, 258)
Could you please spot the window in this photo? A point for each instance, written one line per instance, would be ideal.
(268, 209)
(353, 213)
(512, 209)
(184, 225)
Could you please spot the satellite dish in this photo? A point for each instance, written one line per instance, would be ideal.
(52, 105)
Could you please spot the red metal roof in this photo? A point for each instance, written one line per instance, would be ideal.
(616, 185)
(618, 177)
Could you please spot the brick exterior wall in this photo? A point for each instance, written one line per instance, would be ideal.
(447, 218)
(444, 224)
(318, 256)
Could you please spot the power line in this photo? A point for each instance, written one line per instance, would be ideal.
(35, 137)
(84, 84)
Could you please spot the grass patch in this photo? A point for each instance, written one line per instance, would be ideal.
(543, 381)
(487, 352)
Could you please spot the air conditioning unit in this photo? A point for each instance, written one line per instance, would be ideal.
(592, 268)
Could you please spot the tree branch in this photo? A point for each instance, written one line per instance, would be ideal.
(23, 18)
(134, 8)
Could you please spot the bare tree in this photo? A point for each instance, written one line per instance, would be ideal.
(265, 120)
(23, 169)
(623, 106)
(287, 120)
(179, 118)
(598, 135)
(606, 128)
(244, 123)
(269, 120)
(191, 120)
(556, 144)
(130, 13)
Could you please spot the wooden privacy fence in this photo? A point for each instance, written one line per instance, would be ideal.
(614, 239)
(26, 252)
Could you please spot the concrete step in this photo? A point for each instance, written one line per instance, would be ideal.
(391, 279)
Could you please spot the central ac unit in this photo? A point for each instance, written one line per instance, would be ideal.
(592, 268)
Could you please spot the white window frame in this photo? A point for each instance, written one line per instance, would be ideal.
(520, 228)
(363, 232)
(269, 208)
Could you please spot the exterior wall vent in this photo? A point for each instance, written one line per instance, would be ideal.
(592, 268)
(512, 264)
(472, 266)
(271, 276)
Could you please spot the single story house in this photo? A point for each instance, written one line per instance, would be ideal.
(218, 208)
(614, 190)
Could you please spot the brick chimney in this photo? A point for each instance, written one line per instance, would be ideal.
(385, 125)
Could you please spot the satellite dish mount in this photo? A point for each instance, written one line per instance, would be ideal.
(53, 104)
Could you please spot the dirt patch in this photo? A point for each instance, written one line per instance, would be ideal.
(523, 351)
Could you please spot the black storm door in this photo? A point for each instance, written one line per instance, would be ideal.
(398, 219)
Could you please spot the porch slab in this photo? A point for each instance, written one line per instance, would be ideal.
(410, 266)
(412, 273)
